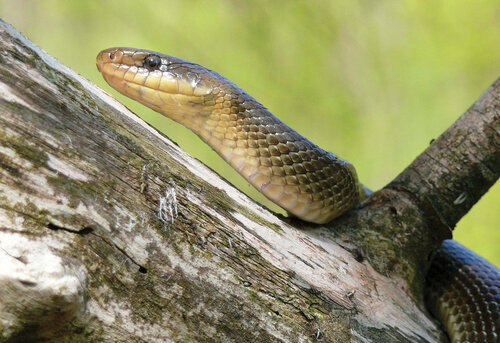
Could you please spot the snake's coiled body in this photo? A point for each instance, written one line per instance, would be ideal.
(310, 183)
(463, 293)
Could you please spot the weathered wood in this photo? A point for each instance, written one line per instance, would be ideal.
(109, 232)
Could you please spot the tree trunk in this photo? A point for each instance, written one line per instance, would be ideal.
(109, 232)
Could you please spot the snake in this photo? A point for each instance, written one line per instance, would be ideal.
(314, 185)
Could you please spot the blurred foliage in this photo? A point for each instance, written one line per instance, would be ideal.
(372, 81)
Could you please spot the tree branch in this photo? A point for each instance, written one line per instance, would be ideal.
(454, 172)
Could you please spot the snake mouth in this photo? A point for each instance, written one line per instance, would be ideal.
(153, 79)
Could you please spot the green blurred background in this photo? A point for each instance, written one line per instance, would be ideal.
(372, 81)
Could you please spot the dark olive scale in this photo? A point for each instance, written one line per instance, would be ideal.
(465, 288)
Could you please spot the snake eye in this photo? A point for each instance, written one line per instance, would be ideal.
(152, 62)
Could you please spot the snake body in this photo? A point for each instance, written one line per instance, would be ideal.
(310, 183)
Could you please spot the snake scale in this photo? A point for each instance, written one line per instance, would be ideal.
(463, 289)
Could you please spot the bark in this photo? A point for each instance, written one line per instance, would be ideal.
(109, 232)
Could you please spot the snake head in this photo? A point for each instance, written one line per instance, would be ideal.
(181, 90)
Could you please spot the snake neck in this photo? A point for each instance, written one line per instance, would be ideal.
(306, 181)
